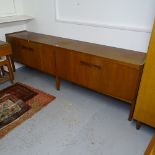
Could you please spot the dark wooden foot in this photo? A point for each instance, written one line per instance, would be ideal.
(58, 81)
(138, 125)
(131, 112)
(130, 115)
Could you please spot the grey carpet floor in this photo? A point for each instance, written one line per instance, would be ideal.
(78, 122)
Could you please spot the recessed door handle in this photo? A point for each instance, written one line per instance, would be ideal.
(27, 48)
(91, 65)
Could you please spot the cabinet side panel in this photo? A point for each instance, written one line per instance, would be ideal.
(145, 106)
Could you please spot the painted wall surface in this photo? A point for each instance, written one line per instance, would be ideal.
(15, 26)
(135, 15)
(11, 27)
(44, 12)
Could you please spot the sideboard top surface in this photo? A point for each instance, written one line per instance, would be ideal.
(118, 54)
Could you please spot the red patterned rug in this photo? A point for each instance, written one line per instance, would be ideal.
(18, 103)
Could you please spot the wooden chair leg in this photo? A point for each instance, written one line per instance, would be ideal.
(10, 67)
(2, 71)
(10, 59)
(12, 63)
(10, 72)
(58, 81)
(138, 125)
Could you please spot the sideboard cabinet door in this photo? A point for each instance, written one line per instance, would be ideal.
(16, 50)
(47, 59)
(105, 76)
(99, 74)
(64, 63)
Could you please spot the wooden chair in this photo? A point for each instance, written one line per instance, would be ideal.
(5, 62)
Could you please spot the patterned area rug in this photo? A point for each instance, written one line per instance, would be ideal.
(18, 103)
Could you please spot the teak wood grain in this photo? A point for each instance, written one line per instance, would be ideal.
(128, 57)
(108, 70)
(31, 53)
(98, 73)
(48, 59)
(145, 105)
(151, 147)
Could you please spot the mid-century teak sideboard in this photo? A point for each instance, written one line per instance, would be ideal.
(108, 70)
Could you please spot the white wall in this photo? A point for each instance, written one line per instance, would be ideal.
(120, 14)
(45, 22)
(11, 27)
(15, 26)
